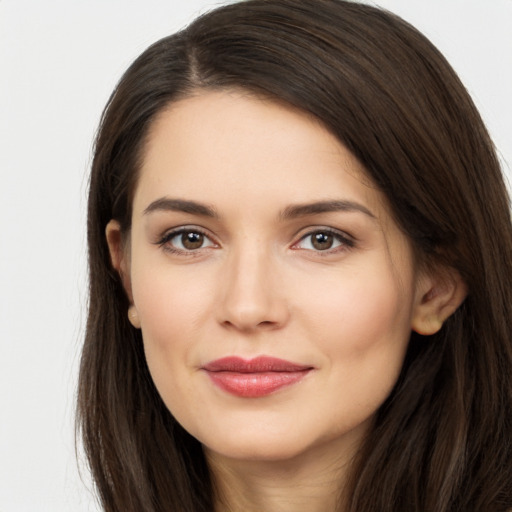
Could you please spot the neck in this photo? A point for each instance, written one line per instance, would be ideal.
(311, 482)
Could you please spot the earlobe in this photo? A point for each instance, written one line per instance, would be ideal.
(133, 316)
(438, 298)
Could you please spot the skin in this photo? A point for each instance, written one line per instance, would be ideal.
(257, 285)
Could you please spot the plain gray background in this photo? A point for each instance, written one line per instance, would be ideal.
(59, 61)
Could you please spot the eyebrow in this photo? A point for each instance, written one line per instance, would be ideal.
(181, 205)
(303, 210)
(290, 212)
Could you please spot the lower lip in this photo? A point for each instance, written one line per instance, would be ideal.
(257, 384)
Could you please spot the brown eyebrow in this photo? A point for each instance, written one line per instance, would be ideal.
(181, 205)
(302, 210)
(290, 212)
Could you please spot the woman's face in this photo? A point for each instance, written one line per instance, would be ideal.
(275, 293)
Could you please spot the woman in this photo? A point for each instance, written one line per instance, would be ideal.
(300, 274)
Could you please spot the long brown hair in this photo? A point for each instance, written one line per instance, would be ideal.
(442, 440)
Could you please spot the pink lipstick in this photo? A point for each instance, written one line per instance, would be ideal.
(254, 377)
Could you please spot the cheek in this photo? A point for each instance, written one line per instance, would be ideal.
(168, 299)
(362, 330)
(173, 314)
(363, 323)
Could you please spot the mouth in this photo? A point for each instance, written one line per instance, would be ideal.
(254, 378)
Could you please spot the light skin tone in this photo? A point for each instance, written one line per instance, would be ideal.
(255, 232)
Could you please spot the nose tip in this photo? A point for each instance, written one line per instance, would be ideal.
(253, 298)
(249, 308)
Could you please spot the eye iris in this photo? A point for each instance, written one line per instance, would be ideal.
(192, 240)
(322, 241)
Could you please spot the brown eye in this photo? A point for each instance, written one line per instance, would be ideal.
(322, 241)
(185, 240)
(192, 240)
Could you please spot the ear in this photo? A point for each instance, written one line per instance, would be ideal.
(121, 263)
(438, 296)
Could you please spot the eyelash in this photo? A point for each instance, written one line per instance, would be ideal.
(345, 241)
(165, 240)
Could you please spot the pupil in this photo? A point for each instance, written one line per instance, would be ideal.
(322, 241)
(192, 240)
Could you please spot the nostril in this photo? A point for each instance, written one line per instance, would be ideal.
(247, 326)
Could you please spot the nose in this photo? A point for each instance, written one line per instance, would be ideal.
(253, 296)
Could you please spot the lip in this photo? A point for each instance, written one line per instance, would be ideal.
(253, 378)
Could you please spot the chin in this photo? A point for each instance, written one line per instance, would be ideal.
(290, 444)
(255, 444)
(269, 451)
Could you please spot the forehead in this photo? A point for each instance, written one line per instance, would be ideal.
(219, 145)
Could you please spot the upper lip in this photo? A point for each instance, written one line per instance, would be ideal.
(257, 365)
